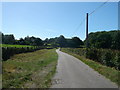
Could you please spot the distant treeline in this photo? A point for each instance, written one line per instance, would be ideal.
(60, 41)
(105, 39)
(10, 39)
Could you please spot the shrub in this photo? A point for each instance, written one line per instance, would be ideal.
(107, 57)
(7, 52)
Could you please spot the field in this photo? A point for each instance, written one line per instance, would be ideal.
(17, 46)
(10, 50)
(30, 70)
(108, 72)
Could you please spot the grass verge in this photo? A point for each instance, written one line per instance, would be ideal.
(108, 72)
(30, 70)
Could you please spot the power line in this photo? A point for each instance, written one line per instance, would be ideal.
(89, 15)
(98, 7)
(79, 26)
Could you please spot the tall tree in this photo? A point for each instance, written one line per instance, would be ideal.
(105, 39)
(21, 41)
(77, 42)
(9, 39)
(61, 41)
(38, 42)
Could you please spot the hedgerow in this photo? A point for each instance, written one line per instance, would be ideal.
(7, 52)
(107, 57)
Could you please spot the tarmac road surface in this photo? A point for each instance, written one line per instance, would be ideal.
(73, 73)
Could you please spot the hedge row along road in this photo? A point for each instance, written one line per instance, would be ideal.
(73, 73)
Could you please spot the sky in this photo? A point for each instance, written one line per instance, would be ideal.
(52, 19)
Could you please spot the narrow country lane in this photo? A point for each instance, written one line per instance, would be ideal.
(73, 73)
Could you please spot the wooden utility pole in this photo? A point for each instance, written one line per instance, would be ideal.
(87, 30)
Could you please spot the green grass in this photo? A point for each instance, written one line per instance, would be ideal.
(108, 72)
(30, 70)
(17, 46)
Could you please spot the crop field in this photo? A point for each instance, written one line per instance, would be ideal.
(30, 70)
(17, 46)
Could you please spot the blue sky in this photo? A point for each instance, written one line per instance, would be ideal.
(52, 19)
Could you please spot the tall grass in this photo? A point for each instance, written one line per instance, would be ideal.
(30, 70)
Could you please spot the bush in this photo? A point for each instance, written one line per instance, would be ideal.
(107, 57)
(7, 52)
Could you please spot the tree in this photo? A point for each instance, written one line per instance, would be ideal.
(77, 42)
(9, 39)
(104, 39)
(21, 41)
(116, 41)
(38, 42)
(61, 41)
(27, 40)
(69, 43)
